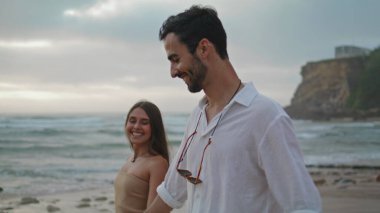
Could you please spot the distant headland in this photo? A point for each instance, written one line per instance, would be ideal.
(346, 87)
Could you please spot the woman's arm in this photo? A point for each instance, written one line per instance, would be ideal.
(157, 170)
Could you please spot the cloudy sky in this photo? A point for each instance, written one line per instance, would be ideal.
(104, 55)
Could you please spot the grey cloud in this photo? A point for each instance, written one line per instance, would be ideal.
(19, 18)
(294, 32)
(263, 36)
(100, 61)
(23, 19)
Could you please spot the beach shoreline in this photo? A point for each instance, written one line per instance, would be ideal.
(347, 190)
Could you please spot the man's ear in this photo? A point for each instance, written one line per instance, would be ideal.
(203, 48)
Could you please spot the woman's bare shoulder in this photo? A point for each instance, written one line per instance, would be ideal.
(158, 161)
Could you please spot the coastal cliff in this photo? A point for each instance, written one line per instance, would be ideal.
(328, 88)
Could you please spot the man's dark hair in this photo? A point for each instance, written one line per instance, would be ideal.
(193, 25)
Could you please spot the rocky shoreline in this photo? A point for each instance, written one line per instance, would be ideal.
(343, 188)
(306, 113)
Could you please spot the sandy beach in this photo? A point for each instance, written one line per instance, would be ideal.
(347, 190)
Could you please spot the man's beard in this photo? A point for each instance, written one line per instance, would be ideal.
(198, 74)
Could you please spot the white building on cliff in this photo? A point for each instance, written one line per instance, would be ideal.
(347, 51)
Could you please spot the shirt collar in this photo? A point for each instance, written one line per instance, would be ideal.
(243, 97)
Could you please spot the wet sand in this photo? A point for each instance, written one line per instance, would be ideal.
(343, 190)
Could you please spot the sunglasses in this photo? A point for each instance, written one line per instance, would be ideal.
(186, 173)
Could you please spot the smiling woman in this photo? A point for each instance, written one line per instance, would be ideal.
(137, 180)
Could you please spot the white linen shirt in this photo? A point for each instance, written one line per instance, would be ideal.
(254, 163)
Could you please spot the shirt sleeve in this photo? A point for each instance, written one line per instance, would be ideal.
(173, 189)
(282, 161)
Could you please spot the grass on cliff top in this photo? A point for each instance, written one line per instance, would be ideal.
(367, 94)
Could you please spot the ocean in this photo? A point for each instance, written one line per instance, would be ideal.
(49, 154)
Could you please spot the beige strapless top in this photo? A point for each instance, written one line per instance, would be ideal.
(131, 193)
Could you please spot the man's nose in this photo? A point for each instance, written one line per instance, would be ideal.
(173, 71)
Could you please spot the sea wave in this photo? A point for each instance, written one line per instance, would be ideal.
(112, 132)
(42, 153)
(59, 148)
(28, 173)
(48, 121)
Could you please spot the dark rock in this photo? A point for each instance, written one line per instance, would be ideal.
(378, 178)
(86, 200)
(101, 198)
(319, 182)
(1, 189)
(28, 200)
(6, 209)
(55, 201)
(83, 205)
(333, 173)
(51, 208)
(315, 173)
